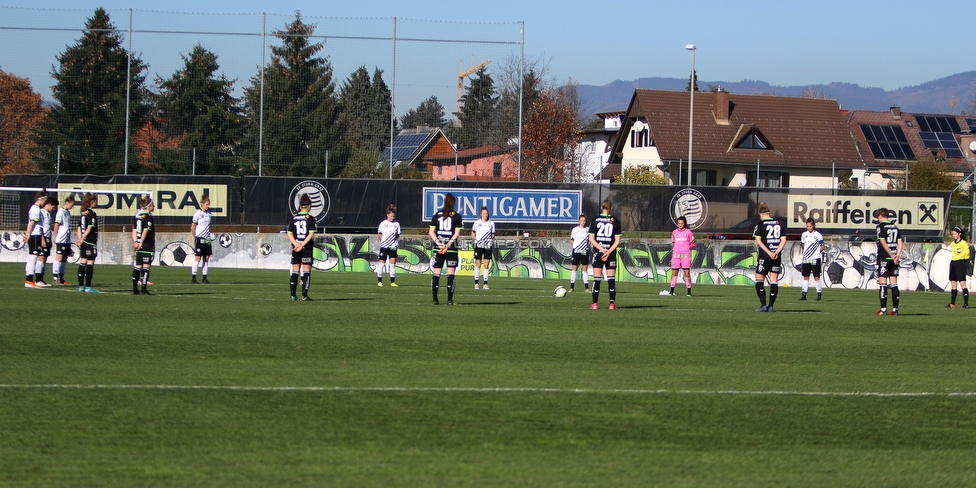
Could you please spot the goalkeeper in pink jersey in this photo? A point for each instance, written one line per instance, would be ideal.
(682, 241)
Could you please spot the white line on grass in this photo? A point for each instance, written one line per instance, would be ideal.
(398, 389)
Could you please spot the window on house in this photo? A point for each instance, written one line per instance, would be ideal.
(497, 170)
(754, 140)
(768, 179)
(640, 135)
(703, 177)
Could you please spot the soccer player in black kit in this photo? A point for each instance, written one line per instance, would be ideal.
(144, 242)
(771, 242)
(605, 237)
(301, 232)
(889, 249)
(445, 227)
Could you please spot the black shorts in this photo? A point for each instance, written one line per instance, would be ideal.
(482, 253)
(581, 258)
(887, 268)
(302, 257)
(47, 248)
(144, 258)
(34, 245)
(64, 249)
(958, 269)
(388, 253)
(609, 263)
(202, 247)
(88, 251)
(450, 258)
(766, 264)
(811, 267)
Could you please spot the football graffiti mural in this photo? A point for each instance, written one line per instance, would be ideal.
(850, 265)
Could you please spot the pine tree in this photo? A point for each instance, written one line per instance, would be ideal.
(90, 122)
(366, 109)
(301, 110)
(478, 111)
(196, 107)
(429, 113)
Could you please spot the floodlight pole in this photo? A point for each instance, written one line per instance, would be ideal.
(691, 108)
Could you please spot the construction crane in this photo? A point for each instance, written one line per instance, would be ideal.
(462, 74)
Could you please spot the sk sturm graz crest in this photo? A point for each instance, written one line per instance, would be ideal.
(316, 192)
(690, 204)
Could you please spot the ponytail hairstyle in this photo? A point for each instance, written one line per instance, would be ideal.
(763, 208)
(391, 209)
(87, 201)
(448, 204)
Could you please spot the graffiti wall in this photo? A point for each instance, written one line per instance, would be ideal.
(852, 265)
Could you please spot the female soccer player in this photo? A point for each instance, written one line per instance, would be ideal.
(483, 234)
(62, 240)
(144, 243)
(87, 242)
(389, 236)
(301, 231)
(770, 241)
(605, 237)
(445, 227)
(813, 246)
(957, 268)
(890, 244)
(580, 239)
(682, 242)
(35, 241)
(202, 239)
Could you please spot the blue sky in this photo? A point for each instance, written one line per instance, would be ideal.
(889, 44)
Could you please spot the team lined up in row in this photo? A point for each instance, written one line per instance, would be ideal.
(40, 231)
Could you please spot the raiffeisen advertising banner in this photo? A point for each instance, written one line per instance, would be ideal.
(859, 212)
(509, 205)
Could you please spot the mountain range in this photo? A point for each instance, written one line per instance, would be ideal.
(952, 94)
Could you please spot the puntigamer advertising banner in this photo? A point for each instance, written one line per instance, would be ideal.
(509, 205)
(859, 212)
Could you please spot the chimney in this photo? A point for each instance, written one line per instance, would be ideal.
(895, 112)
(722, 107)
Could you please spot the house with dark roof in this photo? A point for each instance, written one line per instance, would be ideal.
(737, 140)
(889, 140)
(414, 146)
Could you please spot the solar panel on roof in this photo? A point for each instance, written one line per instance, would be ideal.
(941, 140)
(887, 141)
(972, 124)
(937, 123)
(404, 146)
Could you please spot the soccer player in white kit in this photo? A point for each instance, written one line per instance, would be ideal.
(389, 236)
(483, 234)
(47, 221)
(813, 246)
(202, 240)
(580, 239)
(35, 240)
(62, 240)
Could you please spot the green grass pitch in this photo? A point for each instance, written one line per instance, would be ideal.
(232, 384)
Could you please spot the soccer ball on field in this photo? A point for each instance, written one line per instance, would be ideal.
(664, 293)
(560, 291)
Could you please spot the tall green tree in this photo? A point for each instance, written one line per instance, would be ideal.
(196, 107)
(429, 113)
(478, 112)
(365, 105)
(301, 109)
(531, 91)
(90, 86)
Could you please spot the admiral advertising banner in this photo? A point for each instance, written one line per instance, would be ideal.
(176, 197)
